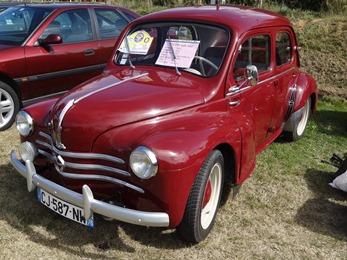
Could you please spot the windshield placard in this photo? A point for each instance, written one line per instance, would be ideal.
(138, 42)
(183, 50)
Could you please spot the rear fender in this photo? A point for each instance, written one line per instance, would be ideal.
(304, 89)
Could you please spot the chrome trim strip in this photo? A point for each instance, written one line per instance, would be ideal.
(109, 86)
(276, 76)
(78, 155)
(95, 167)
(101, 178)
(137, 217)
(238, 91)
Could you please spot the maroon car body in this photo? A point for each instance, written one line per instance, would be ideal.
(152, 141)
(35, 65)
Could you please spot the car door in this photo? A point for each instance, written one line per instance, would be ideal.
(252, 106)
(58, 67)
(286, 75)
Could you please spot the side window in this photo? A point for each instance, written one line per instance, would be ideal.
(253, 51)
(72, 26)
(283, 48)
(110, 23)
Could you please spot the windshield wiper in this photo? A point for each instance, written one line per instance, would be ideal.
(174, 56)
(127, 44)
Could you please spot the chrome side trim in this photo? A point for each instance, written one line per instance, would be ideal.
(275, 76)
(86, 200)
(237, 90)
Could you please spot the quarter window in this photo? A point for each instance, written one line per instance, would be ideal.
(110, 23)
(253, 51)
(283, 48)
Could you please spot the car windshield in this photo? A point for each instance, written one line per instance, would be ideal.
(17, 23)
(193, 48)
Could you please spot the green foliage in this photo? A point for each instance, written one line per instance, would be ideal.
(167, 3)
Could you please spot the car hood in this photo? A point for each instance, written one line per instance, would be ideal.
(115, 99)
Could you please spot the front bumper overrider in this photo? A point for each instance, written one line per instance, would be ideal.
(86, 199)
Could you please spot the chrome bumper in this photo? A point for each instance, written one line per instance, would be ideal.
(86, 199)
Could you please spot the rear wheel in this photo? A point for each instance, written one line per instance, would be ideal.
(203, 200)
(9, 106)
(300, 128)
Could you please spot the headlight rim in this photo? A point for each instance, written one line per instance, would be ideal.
(27, 120)
(150, 155)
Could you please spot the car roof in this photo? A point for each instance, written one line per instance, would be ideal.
(11, 3)
(69, 5)
(239, 18)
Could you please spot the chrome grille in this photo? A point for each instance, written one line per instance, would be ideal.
(61, 161)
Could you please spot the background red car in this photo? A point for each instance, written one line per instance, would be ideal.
(46, 49)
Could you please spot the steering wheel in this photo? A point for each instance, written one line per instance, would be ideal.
(201, 61)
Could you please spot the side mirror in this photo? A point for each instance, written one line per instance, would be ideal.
(51, 39)
(251, 74)
(251, 77)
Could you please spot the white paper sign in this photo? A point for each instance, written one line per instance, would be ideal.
(183, 50)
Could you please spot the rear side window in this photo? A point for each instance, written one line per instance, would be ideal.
(253, 51)
(283, 48)
(110, 23)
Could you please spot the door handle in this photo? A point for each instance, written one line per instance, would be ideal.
(234, 103)
(89, 52)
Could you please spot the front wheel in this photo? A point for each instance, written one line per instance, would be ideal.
(203, 200)
(300, 128)
(9, 106)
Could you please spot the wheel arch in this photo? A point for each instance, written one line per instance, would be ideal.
(229, 162)
(306, 88)
(9, 81)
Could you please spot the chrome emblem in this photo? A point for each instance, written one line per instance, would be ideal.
(59, 163)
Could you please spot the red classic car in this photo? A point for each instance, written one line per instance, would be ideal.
(188, 100)
(46, 49)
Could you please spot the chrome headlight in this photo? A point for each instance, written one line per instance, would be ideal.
(27, 151)
(25, 124)
(143, 162)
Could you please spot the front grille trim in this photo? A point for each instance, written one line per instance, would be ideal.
(55, 152)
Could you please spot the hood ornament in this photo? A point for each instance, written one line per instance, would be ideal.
(58, 128)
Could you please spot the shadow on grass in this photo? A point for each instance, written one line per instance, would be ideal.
(325, 213)
(22, 212)
(331, 122)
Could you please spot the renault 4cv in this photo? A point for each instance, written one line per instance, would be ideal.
(189, 98)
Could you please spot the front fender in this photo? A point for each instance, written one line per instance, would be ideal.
(181, 143)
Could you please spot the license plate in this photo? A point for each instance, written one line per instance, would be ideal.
(64, 208)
